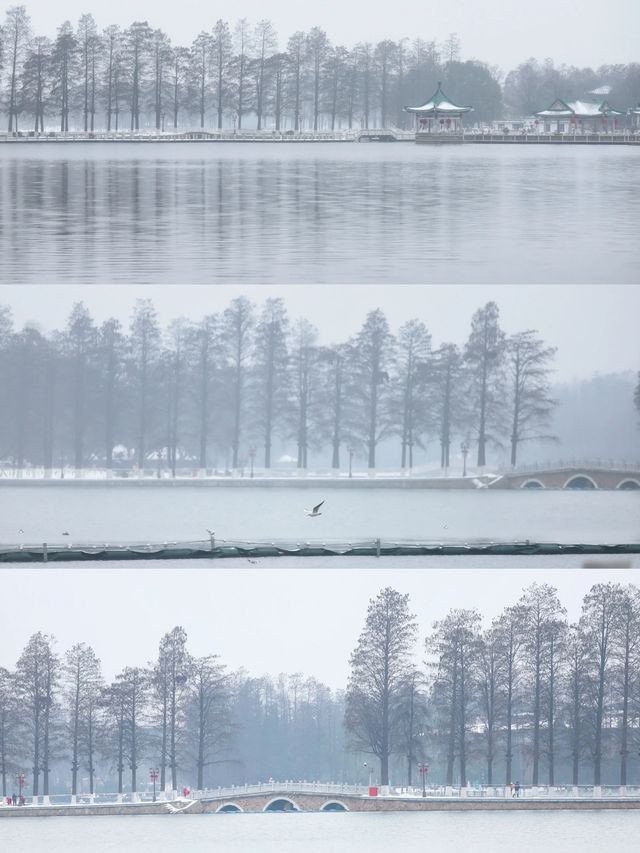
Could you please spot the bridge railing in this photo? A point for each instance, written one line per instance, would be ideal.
(482, 792)
(287, 787)
(573, 464)
(485, 792)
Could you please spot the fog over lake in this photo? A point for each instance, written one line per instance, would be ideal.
(338, 212)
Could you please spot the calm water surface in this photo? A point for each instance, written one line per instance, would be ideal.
(541, 832)
(129, 512)
(245, 212)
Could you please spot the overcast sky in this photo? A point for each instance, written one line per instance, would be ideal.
(594, 327)
(500, 32)
(266, 620)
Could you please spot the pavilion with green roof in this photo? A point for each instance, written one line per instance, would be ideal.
(439, 120)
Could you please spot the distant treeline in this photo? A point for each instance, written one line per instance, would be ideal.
(244, 76)
(529, 698)
(233, 387)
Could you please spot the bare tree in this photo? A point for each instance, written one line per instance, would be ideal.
(528, 362)
(270, 373)
(484, 356)
(238, 331)
(209, 714)
(82, 685)
(453, 650)
(36, 682)
(171, 683)
(599, 622)
(542, 610)
(380, 667)
(373, 350)
(16, 35)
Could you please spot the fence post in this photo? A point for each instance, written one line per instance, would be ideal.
(377, 547)
(45, 554)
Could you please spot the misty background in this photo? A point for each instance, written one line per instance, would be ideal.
(497, 30)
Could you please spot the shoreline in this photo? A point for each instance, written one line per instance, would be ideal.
(360, 804)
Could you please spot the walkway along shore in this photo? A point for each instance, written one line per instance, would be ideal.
(316, 803)
(363, 135)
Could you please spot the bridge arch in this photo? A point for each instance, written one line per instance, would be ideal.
(334, 806)
(532, 484)
(228, 808)
(628, 484)
(281, 804)
(580, 481)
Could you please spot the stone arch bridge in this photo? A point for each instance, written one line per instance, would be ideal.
(573, 475)
(319, 797)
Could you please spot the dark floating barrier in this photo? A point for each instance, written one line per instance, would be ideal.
(226, 549)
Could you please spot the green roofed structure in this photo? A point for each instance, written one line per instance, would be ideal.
(439, 120)
(579, 117)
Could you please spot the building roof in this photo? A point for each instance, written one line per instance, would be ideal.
(578, 109)
(439, 103)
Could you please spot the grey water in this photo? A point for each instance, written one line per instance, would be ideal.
(130, 512)
(444, 832)
(341, 212)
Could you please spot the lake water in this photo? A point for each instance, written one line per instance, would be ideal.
(448, 832)
(157, 513)
(359, 213)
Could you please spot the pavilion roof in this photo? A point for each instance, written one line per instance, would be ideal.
(440, 103)
(578, 109)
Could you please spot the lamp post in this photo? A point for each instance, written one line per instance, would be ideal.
(370, 774)
(465, 452)
(153, 777)
(350, 451)
(424, 770)
(20, 781)
(252, 456)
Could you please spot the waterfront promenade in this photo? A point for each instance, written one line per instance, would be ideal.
(336, 797)
(365, 135)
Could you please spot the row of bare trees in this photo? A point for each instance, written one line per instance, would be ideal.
(530, 697)
(203, 394)
(229, 76)
(190, 717)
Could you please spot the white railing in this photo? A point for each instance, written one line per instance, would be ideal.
(280, 788)
(614, 465)
(476, 792)
(485, 792)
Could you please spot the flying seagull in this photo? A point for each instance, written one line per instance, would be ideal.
(315, 512)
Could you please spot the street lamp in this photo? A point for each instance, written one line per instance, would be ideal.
(252, 456)
(350, 451)
(153, 777)
(20, 781)
(465, 452)
(424, 770)
(370, 774)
